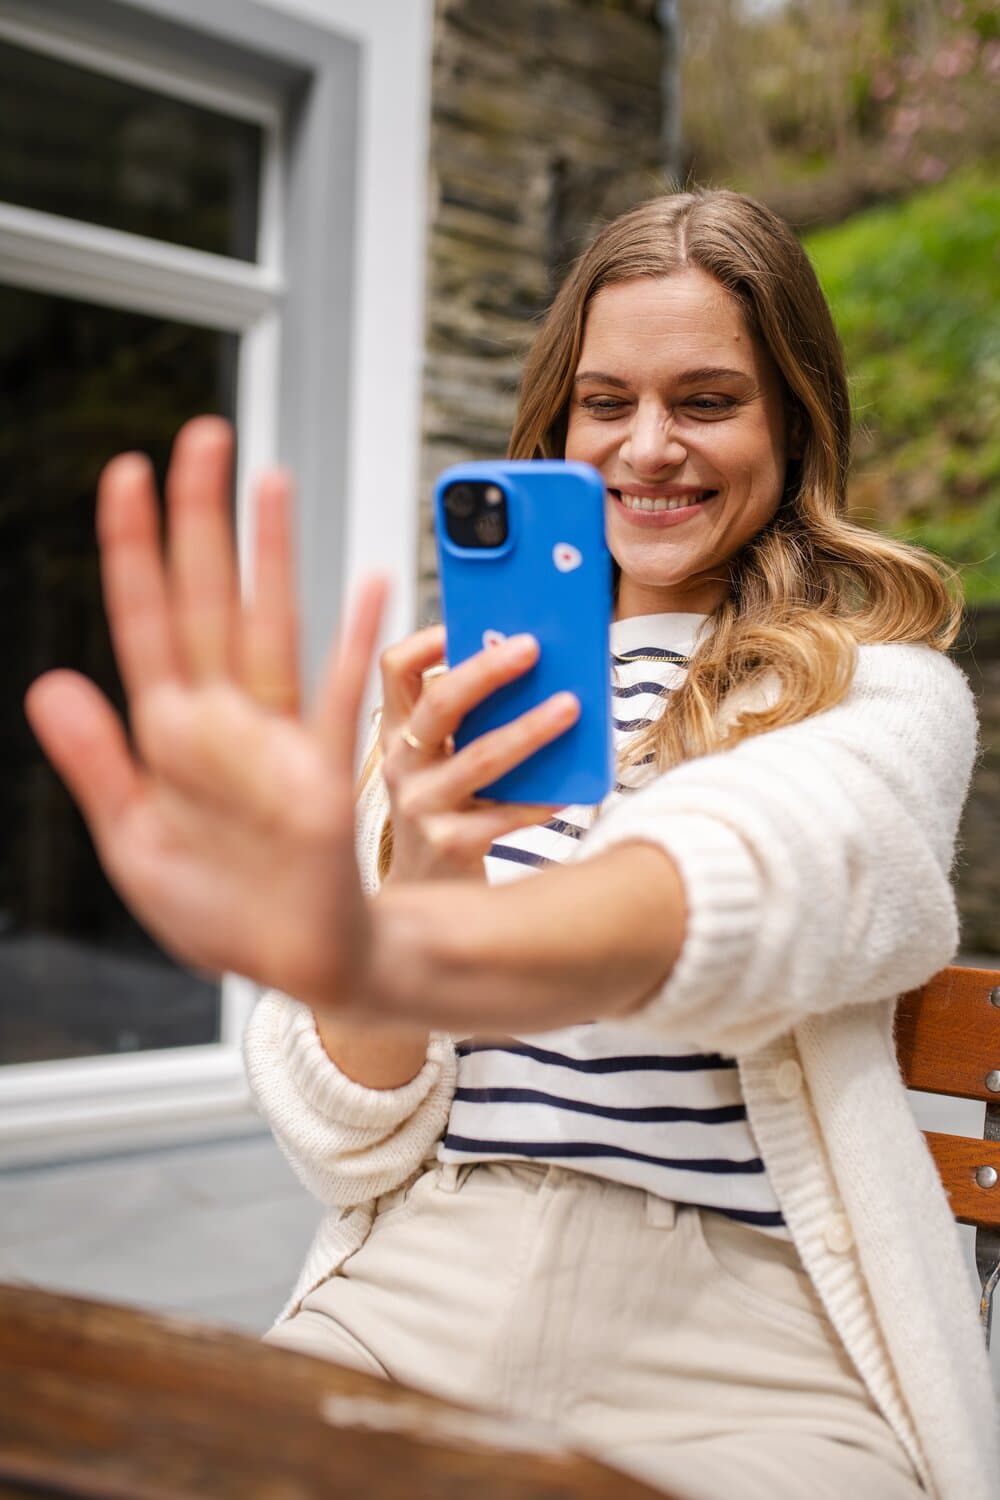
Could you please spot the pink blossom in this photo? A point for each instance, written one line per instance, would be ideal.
(931, 168)
(883, 85)
(957, 60)
(906, 121)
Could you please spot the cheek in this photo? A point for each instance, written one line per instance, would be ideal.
(754, 465)
(577, 445)
(590, 441)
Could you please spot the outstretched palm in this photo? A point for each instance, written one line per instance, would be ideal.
(227, 825)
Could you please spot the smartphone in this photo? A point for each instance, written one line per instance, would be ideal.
(521, 548)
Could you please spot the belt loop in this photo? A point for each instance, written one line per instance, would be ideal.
(448, 1180)
(454, 1175)
(661, 1213)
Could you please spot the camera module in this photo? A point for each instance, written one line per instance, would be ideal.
(475, 514)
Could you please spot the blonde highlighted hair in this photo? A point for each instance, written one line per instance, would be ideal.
(811, 585)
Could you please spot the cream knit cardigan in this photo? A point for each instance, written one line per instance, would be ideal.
(816, 861)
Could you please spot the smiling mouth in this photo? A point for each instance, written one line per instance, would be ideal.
(672, 502)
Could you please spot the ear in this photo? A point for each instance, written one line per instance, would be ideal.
(795, 432)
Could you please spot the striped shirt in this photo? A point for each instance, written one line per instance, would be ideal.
(604, 1097)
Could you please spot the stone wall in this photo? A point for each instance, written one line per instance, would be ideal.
(547, 118)
(978, 867)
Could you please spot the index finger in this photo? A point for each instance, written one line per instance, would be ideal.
(403, 666)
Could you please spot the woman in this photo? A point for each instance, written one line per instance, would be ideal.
(694, 1223)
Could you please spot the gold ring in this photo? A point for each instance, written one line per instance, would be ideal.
(409, 738)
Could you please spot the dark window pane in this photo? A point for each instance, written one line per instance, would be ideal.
(87, 146)
(78, 383)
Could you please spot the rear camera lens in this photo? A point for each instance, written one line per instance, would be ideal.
(460, 500)
(490, 529)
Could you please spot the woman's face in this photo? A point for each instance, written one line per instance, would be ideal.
(674, 400)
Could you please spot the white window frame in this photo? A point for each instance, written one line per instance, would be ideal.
(82, 1105)
(349, 348)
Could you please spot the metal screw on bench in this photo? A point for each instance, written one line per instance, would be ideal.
(995, 996)
(992, 1081)
(987, 1177)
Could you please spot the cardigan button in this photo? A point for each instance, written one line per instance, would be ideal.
(788, 1078)
(837, 1234)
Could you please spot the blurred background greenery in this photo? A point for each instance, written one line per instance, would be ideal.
(873, 126)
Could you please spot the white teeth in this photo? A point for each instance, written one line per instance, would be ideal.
(643, 502)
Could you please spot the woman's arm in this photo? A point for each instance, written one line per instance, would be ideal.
(814, 859)
(377, 1056)
(574, 944)
(346, 1142)
(805, 869)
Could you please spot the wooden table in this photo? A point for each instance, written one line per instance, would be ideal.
(104, 1401)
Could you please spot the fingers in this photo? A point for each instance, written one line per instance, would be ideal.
(269, 633)
(465, 837)
(202, 575)
(83, 738)
(403, 666)
(132, 577)
(342, 690)
(448, 784)
(443, 706)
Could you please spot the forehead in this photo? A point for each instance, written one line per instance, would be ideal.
(686, 316)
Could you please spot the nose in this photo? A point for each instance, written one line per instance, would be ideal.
(652, 443)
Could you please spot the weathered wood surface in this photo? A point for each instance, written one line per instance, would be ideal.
(100, 1400)
(948, 1042)
(948, 1034)
(958, 1159)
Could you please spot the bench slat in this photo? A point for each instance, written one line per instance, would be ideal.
(948, 1034)
(958, 1158)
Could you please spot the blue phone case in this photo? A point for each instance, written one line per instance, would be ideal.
(552, 578)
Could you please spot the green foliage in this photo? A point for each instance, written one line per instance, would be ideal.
(821, 109)
(913, 292)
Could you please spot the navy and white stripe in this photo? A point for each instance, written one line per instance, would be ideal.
(599, 1096)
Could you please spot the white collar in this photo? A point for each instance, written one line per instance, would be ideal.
(674, 632)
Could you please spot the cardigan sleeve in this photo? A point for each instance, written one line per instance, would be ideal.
(347, 1143)
(815, 858)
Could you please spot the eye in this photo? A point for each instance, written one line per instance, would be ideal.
(710, 404)
(604, 405)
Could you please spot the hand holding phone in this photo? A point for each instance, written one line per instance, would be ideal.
(441, 829)
(521, 550)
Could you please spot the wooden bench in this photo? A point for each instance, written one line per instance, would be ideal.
(98, 1400)
(948, 1042)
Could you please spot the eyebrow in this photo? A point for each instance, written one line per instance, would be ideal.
(705, 374)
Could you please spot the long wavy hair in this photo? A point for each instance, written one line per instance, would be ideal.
(811, 585)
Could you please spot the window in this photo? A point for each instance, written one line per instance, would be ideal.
(157, 259)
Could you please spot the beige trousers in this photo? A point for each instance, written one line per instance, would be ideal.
(672, 1343)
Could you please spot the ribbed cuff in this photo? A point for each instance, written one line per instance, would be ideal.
(722, 889)
(330, 1092)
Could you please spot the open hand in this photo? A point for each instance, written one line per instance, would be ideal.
(227, 825)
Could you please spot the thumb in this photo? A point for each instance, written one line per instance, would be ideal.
(84, 739)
